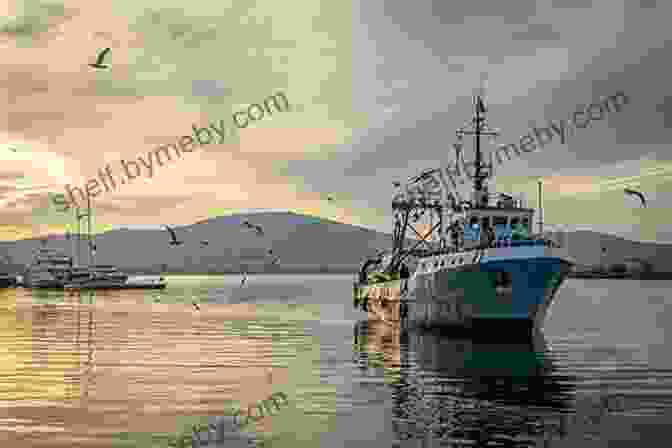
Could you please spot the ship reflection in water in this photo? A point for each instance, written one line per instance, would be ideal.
(467, 393)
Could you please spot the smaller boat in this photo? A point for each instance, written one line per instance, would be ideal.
(48, 269)
(146, 282)
(115, 282)
(96, 277)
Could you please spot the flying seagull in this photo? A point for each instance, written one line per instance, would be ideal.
(205, 242)
(99, 61)
(258, 229)
(276, 259)
(173, 237)
(638, 194)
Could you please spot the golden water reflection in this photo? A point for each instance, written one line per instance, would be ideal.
(78, 368)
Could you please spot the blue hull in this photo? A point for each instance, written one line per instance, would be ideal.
(510, 287)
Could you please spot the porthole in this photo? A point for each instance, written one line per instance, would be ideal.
(452, 261)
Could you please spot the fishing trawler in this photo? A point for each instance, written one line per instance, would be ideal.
(479, 266)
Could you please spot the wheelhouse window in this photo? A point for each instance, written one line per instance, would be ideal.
(485, 221)
(500, 220)
(515, 221)
(526, 223)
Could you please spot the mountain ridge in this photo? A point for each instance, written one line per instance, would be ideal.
(304, 243)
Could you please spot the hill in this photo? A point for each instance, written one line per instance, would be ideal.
(586, 246)
(303, 243)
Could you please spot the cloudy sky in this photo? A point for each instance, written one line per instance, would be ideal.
(377, 89)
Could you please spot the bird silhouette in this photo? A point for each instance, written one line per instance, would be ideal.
(205, 242)
(330, 199)
(276, 259)
(257, 228)
(173, 237)
(636, 193)
(99, 60)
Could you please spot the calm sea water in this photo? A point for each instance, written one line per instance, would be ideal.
(134, 368)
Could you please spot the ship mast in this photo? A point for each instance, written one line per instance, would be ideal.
(417, 203)
(482, 171)
(89, 237)
(89, 240)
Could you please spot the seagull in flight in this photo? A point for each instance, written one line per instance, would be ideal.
(99, 61)
(638, 194)
(174, 241)
(205, 242)
(276, 259)
(258, 229)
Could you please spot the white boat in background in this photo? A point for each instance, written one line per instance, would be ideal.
(49, 268)
(118, 280)
(99, 276)
(96, 277)
(146, 282)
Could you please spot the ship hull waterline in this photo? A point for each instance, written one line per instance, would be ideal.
(472, 296)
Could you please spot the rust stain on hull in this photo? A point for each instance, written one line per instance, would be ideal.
(383, 300)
